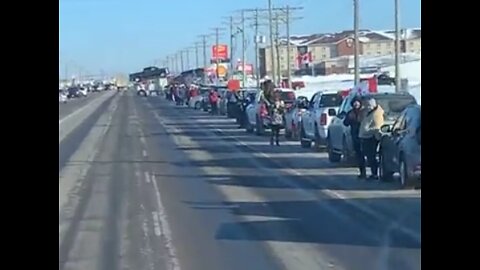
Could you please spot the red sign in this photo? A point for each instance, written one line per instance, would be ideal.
(233, 85)
(220, 52)
(248, 68)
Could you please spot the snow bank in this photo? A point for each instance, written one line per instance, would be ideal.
(410, 70)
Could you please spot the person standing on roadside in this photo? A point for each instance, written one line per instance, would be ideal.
(369, 133)
(276, 122)
(213, 99)
(268, 92)
(353, 120)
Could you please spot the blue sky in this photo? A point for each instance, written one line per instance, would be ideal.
(127, 35)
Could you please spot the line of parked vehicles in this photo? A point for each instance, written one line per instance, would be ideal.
(81, 91)
(318, 122)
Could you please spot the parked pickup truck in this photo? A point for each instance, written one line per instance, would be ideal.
(323, 106)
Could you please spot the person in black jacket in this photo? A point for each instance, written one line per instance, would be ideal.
(353, 119)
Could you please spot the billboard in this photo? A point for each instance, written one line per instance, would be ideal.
(248, 68)
(222, 70)
(220, 52)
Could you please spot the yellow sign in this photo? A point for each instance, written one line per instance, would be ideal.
(222, 71)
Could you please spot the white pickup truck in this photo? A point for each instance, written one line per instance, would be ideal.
(322, 108)
(257, 111)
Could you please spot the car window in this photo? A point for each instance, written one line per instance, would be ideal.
(346, 106)
(287, 96)
(330, 100)
(313, 100)
(394, 104)
(259, 95)
(399, 123)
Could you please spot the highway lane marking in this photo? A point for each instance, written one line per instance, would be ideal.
(147, 177)
(156, 224)
(411, 233)
(290, 255)
(165, 228)
(79, 110)
(144, 153)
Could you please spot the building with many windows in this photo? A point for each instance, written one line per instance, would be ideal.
(306, 51)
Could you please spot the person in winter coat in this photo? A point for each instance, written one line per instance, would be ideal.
(268, 92)
(369, 133)
(276, 122)
(213, 99)
(353, 119)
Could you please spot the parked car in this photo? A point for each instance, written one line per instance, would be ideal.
(257, 110)
(293, 118)
(83, 91)
(383, 79)
(73, 92)
(205, 102)
(401, 148)
(233, 107)
(62, 96)
(339, 140)
(100, 88)
(322, 107)
(195, 102)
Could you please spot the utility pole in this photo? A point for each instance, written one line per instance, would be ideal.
(287, 19)
(175, 61)
(204, 43)
(277, 46)
(171, 64)
(289, 72)
(187, 53)
(244, 50)
(182, 67)
(66, 72)
(232, 36)
(270, 22)
(356, 41)
(257, 70)
(217, 60)
(197, 63)
(256, 23)
(397, 48)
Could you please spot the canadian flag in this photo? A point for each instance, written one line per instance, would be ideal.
(304, 59)
(364, 87)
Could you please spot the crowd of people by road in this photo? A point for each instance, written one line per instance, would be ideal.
(365, 119)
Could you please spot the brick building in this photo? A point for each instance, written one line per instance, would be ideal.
(323, 47)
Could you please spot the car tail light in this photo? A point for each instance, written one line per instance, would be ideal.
(323, 119)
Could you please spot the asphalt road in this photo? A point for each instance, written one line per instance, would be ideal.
(154, 186)
(72, 105)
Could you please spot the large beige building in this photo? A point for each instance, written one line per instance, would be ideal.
(323, 47)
